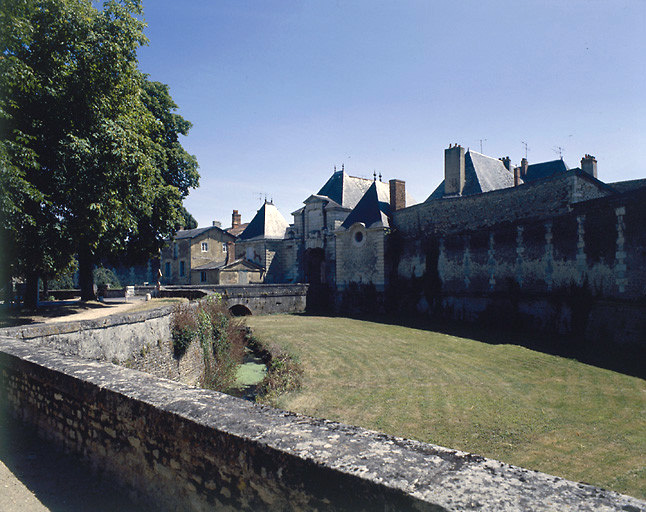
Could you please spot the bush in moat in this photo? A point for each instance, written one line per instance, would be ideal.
(221, 339)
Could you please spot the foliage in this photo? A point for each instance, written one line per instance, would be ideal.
(284, 371)
(220, 336)
(104, 276)
(90, 161)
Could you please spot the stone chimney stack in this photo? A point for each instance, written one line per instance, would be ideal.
(523, 168)
(453, 170)
(397, 195)
(589, 165)
(217, 223)
(506, 161)
(236, 219)
(516, 176)
(231, 252)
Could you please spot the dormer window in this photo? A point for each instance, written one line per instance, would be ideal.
(205, 247)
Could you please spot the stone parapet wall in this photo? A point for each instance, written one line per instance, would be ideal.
(181, 448)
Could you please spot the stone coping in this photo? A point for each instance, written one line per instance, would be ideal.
(27, 332)
(435, 477)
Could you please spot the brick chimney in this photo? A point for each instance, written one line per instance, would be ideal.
(453, 170)
(217, 223)
(516, 176)
(397, 195)
(589, 165)
(523, 168)
(506, 161)
(236, 219)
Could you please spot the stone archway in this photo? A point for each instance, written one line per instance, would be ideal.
(240, 310)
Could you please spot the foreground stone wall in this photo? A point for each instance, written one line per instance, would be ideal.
(181, 448)
(141, 341)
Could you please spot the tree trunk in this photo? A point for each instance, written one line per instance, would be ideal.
(86, 277)
(31, 291)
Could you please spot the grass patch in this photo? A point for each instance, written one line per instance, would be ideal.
(507, 402)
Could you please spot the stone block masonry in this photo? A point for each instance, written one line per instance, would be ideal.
(181, 448)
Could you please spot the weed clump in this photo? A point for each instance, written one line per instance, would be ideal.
(221, 338)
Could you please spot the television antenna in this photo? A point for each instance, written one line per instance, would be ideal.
(481, 141)
(526, 147)
(559, 150)
(259, 196)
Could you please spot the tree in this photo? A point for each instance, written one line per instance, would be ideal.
(107, 173)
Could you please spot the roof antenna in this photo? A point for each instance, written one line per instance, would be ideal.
(559, 150)
(481, 141)
(526, 148)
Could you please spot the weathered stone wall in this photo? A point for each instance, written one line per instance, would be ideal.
(260, 299)
(551, 273)
(181, 448)
(360, 262)
(139, 340)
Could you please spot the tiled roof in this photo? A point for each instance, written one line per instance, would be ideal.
(192, 233)
(544, 169)
(267, 223)
(627, 186)
(481, 174)
(374, 207)
(238, 229)
(345, 190)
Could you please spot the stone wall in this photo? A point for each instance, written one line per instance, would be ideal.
(140, 341)
(181, 448)
(360, 261)
(571, 272)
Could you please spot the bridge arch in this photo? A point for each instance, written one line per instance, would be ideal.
(239, 310)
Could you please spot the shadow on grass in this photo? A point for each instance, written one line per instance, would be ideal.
(61, 482)
(627, 360)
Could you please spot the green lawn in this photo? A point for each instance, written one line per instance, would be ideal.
(502, 401)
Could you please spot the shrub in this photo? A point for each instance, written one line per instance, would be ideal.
(220, 336)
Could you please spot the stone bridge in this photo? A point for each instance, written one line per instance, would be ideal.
(249, 299)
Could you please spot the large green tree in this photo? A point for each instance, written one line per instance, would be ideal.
(89, 145)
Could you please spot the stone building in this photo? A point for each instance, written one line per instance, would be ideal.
(193, 254)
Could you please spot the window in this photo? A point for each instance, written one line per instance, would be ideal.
(182, 269)
(358, 236)
(203, 276)
(167, 270)
(205, 247)
(224, 247)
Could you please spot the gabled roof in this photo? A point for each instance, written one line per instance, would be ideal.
(481, 174)
(267, 223)
(374, 207)
(544, 169)
(345, 190)
(192, 233)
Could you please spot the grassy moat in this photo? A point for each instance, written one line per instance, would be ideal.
(502, 401)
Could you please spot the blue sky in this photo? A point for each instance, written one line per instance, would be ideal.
(279, 92)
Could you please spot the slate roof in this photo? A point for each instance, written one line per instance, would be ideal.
(374, 207)
(481, 174)
(544, 169)
(267, 223)
(192, 233)
(345, 190)
(627, 186)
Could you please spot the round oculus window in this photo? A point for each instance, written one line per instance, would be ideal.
(358, 237)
